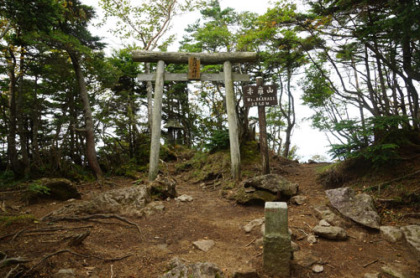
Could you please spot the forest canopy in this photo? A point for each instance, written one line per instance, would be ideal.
(67, 109)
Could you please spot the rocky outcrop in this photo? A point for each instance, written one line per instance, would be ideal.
(163, 187)
(52, 188)
(126, 201)
(359, 208)
(266, 188)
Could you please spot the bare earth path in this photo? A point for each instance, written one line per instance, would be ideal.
(171, 232)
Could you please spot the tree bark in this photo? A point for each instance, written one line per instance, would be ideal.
(11, 137)
(90, 136)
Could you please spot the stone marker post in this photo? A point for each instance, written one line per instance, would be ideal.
(277, 246)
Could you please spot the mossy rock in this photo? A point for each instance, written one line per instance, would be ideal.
(51, 188)
(258, 197)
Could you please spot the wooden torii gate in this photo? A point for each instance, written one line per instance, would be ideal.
(194, 60)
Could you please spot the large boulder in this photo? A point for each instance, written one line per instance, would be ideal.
(265, 188)
(179, 269)
(51, 188)
(359, 208)
(127, 201)
(163, 187)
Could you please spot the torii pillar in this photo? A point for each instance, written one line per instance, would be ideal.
(228, 77)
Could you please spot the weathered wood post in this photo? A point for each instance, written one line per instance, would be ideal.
(194, 60)
(277, 245)
(235, 154)
(263, 134)
(156, 122)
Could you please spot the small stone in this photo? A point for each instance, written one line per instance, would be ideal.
(298, 199)
(324, 223)
(390, 233)
(311, 239)
(393, 271)
(372, 275)
(204, 245)
(317, 268)
(65, 273)
(330, 232)
(304, 258)
(184, 198)
(252, 224)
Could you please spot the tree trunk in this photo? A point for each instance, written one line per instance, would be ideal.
(11, 137)
(90, 136)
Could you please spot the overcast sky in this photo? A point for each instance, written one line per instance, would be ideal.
(310, 142)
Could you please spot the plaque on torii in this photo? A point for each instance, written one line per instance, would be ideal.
(194, 61)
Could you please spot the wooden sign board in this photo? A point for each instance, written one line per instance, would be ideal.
(265, 95)
(193, 68)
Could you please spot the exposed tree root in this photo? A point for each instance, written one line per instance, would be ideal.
(75, 254)
(52, 229)
(90, 217)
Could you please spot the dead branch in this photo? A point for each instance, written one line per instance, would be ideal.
(75, 254)
(94, 216)
(368, 264)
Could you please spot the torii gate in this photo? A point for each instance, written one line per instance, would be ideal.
(194, 60)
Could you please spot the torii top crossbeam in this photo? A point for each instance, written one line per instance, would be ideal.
(205, 58)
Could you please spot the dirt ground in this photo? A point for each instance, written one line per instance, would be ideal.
(117, 249)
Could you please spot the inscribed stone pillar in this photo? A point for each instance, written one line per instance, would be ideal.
(277, 246)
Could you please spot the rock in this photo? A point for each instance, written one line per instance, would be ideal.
(304, 258)
(359, 208)
(51, 188)
(317, 268)
(266, 188)
(179, 269)
(412, 235)
(204, 245)
(65, 273)
(323, 212)
(311, 239)
(273, 183)
(298, 199)
(331, 232)
(126, 201)
(153, 207)
(324, 223)
(372, 275)
(163, 187)
(258, 197)
(393, 271)
(247, 274)
(184, 198)
(391, 233)
(252, 224)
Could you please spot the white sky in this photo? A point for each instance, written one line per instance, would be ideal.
(310, 142)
